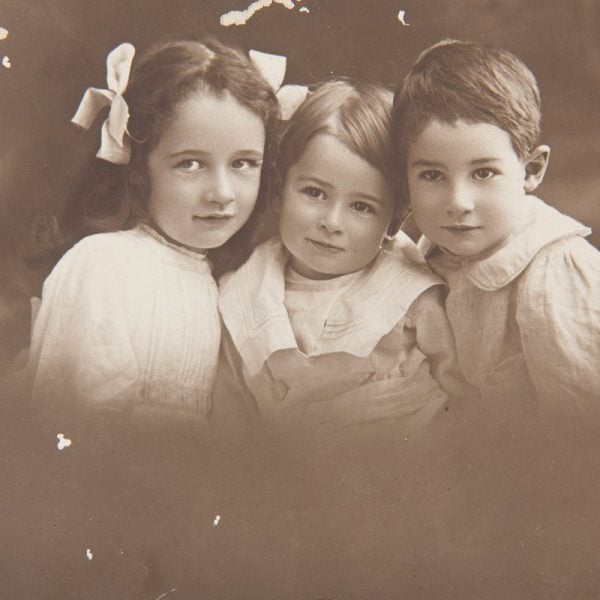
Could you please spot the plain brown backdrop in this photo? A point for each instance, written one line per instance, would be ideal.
(438, 538)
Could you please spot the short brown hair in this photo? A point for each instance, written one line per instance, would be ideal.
(454, 80)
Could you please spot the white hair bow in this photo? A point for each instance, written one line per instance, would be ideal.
(114, 146)
(272, 68)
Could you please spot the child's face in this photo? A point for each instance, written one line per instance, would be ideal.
(336, 209)
(467, 186)
(205, 170)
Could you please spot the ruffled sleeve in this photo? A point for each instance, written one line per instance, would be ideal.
(558, 312)
(81, 352)
(435, 340)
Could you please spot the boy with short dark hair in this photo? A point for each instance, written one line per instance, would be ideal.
(524, 285)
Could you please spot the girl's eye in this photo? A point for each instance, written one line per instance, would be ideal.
(431, 175)
(245, 164)
(363, 207)
(190, 165)
(314, 192)
(484, 174)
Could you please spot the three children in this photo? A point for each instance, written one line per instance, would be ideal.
(328, 324)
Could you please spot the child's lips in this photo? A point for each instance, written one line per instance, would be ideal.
(460, 228)
(325, 246)
(213, 218)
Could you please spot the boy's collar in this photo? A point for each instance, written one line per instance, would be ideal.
(543, 226)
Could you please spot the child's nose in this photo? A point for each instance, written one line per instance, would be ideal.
(460, 199)
(331, 219)
(221, 189)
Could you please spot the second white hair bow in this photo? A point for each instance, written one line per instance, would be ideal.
(272, 68)
(114, 146)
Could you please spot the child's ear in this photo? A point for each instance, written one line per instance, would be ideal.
(535, 167)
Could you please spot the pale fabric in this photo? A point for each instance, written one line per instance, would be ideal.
(384, 350)
(115, 146)
(309, 302)
(527, 318)
(272, 68)
(127, 321)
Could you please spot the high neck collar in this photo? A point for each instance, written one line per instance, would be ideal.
(164, 240)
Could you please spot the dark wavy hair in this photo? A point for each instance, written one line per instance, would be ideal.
(114, 197)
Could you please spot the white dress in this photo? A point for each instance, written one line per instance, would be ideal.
(370, 346)
(128, 321)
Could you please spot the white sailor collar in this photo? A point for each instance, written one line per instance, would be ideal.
(544, 225)
(252, 305)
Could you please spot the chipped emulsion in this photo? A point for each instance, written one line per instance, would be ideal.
(88, 554)
(3, 36)
(240, 17)
(63, 442)
(216, 521)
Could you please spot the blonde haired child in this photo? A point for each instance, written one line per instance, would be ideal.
(524, 285)
(326, 328)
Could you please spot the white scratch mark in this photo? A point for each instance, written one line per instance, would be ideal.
(401, 18)
(241, 17)
(216, 521)
(163, 595)
(304, 9)
(89, 554)
(6, 62)
(63, 442)
(3, 33)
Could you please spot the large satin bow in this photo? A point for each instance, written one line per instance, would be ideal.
(272, 68)
(114, 145)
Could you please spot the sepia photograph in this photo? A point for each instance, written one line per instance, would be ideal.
(300, 299)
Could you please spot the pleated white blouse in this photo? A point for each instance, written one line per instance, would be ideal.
(127, 320)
